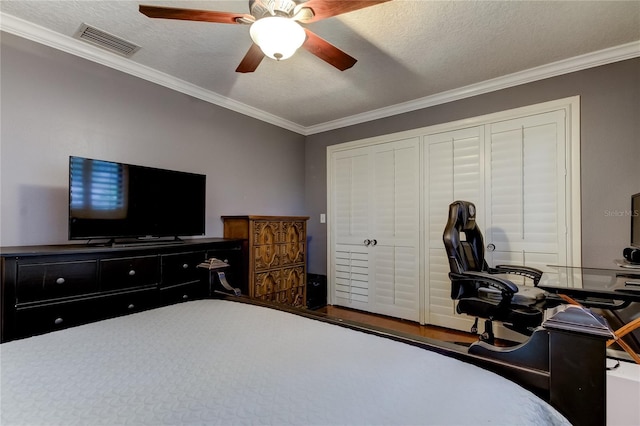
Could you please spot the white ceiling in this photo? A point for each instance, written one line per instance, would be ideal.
(411, 53)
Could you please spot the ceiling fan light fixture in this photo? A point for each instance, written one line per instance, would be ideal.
(277, 36)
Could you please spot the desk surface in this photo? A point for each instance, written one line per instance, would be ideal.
(611, 284)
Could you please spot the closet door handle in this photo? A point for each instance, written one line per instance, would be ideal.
(367, 242)
(491, 247)
(374, 242)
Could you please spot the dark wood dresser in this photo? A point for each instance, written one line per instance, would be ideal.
(45, 288)
(276, 256)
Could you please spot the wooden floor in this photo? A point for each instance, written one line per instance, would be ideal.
(398, 325)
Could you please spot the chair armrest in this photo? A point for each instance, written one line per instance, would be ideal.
(525, 271)
(505, 286)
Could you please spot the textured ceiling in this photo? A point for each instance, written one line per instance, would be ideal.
(406, 50)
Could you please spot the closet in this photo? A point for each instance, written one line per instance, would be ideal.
(388, 202)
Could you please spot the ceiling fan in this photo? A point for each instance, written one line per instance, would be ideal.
(274, 27)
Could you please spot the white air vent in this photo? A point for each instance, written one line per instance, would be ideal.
(105, 40)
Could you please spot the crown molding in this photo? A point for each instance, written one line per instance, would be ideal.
(39, 34)
(68, 44)
(577, 63)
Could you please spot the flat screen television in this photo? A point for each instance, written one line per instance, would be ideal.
(116, 200)
(635, 220)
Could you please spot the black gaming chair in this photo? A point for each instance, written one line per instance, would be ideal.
(479, 292)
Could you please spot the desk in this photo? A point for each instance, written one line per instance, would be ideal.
(608, 289)
(598, 288)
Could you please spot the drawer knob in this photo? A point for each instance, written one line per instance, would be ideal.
(131, 306)
(185, 296)
(58, 321)
(185, 266)
(60, 280)
(132, 272)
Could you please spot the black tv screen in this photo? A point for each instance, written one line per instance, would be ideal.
(117, 200)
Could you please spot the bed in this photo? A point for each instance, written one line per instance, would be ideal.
(226, 362)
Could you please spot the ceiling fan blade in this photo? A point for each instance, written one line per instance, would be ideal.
(323, 9)
(327, 51)
(195, 15)
(251, 60)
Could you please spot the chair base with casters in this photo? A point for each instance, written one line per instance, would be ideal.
(520, 318)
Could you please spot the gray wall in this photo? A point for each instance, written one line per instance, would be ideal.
(54, 105)
(610, 151)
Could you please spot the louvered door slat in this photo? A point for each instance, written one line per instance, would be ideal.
(351, 276)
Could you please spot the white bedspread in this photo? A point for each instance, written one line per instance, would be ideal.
(214, 362)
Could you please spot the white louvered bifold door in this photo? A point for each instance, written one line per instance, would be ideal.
(526, 189)
(375, 220)
(395, 224)
(351, 226)
(454, 171)
(514, 172)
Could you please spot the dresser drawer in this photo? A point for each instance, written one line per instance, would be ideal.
(266, 232)
(292, 278)
(181, 268)
(56, 316)
(183, 293)
(294, 232)
(292, 253)
(266, 283)
(43, 281)
(266, 257)
(287, 285)
(129, 302)
(294, 296)
(129, 272)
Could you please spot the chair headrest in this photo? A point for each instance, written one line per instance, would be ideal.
(466, 215)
